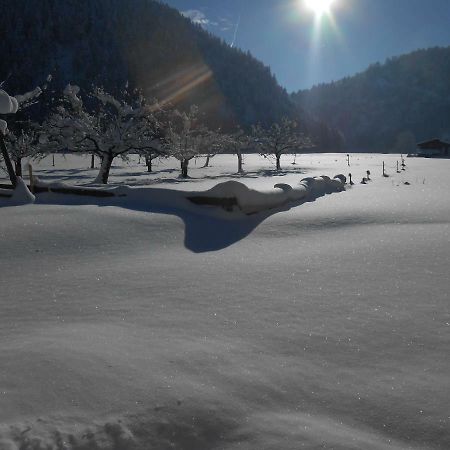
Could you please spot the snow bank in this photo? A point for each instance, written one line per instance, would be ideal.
(8, 104)
(226, 200)
(250, 201)
(21, 194)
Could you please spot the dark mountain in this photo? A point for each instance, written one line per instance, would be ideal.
(144, 42)
(406, 98)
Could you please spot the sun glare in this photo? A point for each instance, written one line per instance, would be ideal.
(320, 7)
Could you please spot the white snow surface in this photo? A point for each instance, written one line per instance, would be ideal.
(146, 322)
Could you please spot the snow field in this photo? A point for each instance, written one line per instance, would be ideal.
(322, 326)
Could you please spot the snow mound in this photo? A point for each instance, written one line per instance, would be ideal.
(21, 194)
(323, 184)
(8, 104)
(250, 201)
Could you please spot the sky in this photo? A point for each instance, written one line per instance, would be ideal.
(304, 49)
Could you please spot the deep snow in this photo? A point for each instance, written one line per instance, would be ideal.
(321, 325)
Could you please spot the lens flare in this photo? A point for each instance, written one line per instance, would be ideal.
(320, 7)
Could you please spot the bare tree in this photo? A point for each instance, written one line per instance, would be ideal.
(279, 138)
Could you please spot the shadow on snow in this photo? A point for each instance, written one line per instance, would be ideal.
(206, 228)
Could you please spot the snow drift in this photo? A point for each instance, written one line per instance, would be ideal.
(21, 194)
(250, 201)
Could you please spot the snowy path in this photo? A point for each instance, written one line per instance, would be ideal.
(326, 327)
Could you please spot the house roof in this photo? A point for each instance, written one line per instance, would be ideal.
(434, 144)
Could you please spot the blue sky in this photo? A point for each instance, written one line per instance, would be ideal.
(302, 51)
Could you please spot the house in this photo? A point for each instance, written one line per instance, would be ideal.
(434, 148)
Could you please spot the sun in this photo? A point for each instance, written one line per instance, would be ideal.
(320, 7)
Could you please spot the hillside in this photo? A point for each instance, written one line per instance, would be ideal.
(407, 97)
(150, 45)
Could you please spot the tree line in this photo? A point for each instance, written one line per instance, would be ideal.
(109, 127)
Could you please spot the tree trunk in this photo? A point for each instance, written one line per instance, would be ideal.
(18, 167)
(278, 162)
(208, 157)
(239, 155)
(8, 163)
(148, 162)
(184, 168)
(92, 161)
(103, 175)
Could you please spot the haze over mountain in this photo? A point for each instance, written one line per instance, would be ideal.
(407, 96)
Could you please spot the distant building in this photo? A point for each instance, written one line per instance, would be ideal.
(433, 149)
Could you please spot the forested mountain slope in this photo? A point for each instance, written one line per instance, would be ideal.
(144, 42)
(407, 95)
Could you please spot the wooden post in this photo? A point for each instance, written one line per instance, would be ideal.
(53, 159)
(350, 179)
(398, 170)
(348, 160)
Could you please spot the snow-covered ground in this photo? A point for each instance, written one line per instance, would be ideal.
(127, 323)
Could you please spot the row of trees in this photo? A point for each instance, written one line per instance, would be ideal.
(100, 124)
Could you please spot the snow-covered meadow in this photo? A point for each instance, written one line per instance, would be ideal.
(130, 323)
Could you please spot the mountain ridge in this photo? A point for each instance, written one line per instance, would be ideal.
(373, 109)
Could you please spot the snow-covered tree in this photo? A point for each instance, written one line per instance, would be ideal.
(10, 105)
(110, 128)
(279, 138)
(185, 137)
(218, 143)
(237, 142)
(152, 146)
(24, 144)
